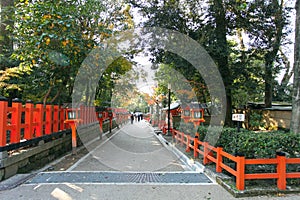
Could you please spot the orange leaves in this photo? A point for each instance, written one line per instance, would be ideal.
(47, 17)
(47, 41)
(65, 42)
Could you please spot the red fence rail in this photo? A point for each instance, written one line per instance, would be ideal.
(31, 120)
(216, 155)
(20, 122)
(25, 122)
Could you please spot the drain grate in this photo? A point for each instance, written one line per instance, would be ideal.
(120, 177)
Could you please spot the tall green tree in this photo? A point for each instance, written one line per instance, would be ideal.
(54, 37)
(266, 25)
(207, 26)
(295, 121)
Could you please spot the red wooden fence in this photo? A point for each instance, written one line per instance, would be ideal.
(35, 120)
(216, 155)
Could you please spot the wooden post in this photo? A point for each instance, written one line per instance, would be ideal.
(240, 173)
(29, 109)
(187, 149)
(281, 171)
(15, 135)
(39, 119)
(101, 127)
(196, 147)
(82, 114)
(110, 124)
(181, 138)
(74, 138)
(3, 121)
(219, 159)
(205, 153)
(48, 126)
(55, 118)
(62, 118)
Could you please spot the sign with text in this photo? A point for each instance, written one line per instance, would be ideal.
(238, 117)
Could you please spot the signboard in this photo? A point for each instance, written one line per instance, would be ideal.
(238, 117)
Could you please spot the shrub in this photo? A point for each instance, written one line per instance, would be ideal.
(254, 144)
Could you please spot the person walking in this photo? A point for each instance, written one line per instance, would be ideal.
(132, 118)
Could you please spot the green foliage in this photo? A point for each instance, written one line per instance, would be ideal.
(53, 39)
(256, 120)
(242, 62)
(256, 144)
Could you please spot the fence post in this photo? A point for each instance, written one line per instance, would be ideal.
(205, 153)
(240, 173)
(281, 171)
(187, 149)
(219, 159)
(29, 108)
(55, 118)
(15, 135)
(62, 117)
(3, 120)
(39, 119)
(48, 126)
(196, 147)
(82, 113)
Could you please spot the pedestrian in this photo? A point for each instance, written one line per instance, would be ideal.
(132, 118)
(142, 117)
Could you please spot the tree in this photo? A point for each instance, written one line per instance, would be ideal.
(214, 24)
(187, 18)
(6, 44)
(295, 121)
(222, 51)
(283, 89)
(265, 23)
(54, 37)
(111, 77)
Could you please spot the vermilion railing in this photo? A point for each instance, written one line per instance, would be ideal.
(35, 120)
(26, 122)
(216, 155)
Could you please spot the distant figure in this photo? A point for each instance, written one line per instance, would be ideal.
(139, 117)
(142, 117)
(132, 118)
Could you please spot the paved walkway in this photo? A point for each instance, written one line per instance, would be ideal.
(133, 148)
(132, 164)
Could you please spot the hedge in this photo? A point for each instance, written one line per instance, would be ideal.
(254, 144)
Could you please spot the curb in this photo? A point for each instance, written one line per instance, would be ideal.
(192, 165)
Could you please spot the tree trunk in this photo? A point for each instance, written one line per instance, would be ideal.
(222, 59)
(45, 97)
(56, 96)
(295, 121)
(274, 48)
(268, 83)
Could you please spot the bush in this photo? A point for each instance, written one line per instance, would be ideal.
(254, 144)
(256, 120)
